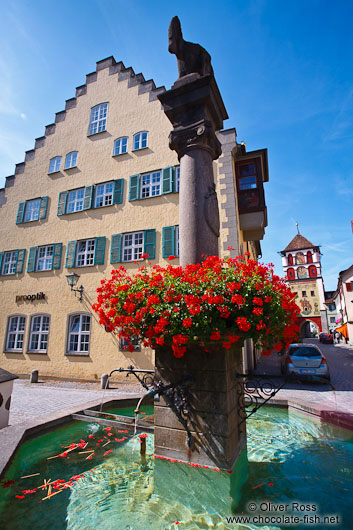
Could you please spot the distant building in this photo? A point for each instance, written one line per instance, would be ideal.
(109, 192)
(331, 310)
(302, 267)
(343, 298)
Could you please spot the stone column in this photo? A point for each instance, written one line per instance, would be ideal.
(196, 110)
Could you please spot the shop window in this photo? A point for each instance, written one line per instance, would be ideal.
(15, 333)
(98, 120)
(79, 334)
(39, 332)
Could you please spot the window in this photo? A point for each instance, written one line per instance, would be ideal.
(177, 179)
(170, 241)
(332, 320)
(75, 200)
(131, 246)
(124, 344)
(32, 210)
(349, 287)
(79, 334)
(150, 184)
(303, 293)
(120, 146)
(104, 194)
(54, 164)
(290, 259)
(15, 333)
(312, 293)
(98, 121)
(247, 176)
(158, 182)
(11, 262)
(44, 258)
(71, 160)
(290, 274)
(85, 252)
(140, 140)
(312, 271)
(38, 336)
(309, 257)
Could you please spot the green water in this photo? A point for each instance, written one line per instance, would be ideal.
(290, 459)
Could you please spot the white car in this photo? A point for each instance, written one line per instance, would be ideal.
(304, 360)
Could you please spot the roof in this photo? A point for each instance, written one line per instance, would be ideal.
(6, 376)
(299, 242)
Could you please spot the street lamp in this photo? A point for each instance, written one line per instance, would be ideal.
(72, 279)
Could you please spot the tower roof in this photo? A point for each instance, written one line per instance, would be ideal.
(298, 242)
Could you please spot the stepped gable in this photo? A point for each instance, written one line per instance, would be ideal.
(298, 242)
(114, 68)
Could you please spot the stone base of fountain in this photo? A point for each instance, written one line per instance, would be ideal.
(218, 438)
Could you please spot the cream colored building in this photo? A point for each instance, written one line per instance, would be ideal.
(98, 190)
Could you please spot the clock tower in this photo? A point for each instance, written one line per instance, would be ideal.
(301, 261)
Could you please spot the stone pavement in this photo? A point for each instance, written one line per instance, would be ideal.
(33, 401)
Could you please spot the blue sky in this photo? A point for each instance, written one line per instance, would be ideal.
(284, 70)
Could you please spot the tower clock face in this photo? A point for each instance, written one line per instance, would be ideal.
(302, 272)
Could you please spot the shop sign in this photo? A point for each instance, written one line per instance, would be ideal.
(30, 297)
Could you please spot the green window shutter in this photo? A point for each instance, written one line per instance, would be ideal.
(57, 256)
(150, 243)
(62, 203)
(43, 207)
(115, 249)
(99, 251)
(70, 254)
(20, 212)
(1, 256)
(31, 265)
(168, 241)
(168, 176)
(118, 191)
(20, 260)
(134, 188)
(88, 197)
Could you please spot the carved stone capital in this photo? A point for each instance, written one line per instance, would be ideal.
(200, 135)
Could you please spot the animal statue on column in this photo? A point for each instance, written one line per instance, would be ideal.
(192, 58)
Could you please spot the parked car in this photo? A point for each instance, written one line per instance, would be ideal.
(304, 360)
(326, 338)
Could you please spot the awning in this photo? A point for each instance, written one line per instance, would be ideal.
(343, 329)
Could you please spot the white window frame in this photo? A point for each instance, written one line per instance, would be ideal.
(120, 146)
(151, 184)
(133, 246)
(75, 200)
(45, 255)
(71, 160)
(9, 262)
(83, 335)
(42, 332)
(54, 164)
(140, 140)
(124, 344)
(85, 252)
(102, 194)
(98, 119)
(18, 332)
(32, 210)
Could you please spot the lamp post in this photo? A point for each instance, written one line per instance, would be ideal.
(72, 279)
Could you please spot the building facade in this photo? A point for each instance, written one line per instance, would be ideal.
(343, 298)
(302, 267)
(98, 190)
